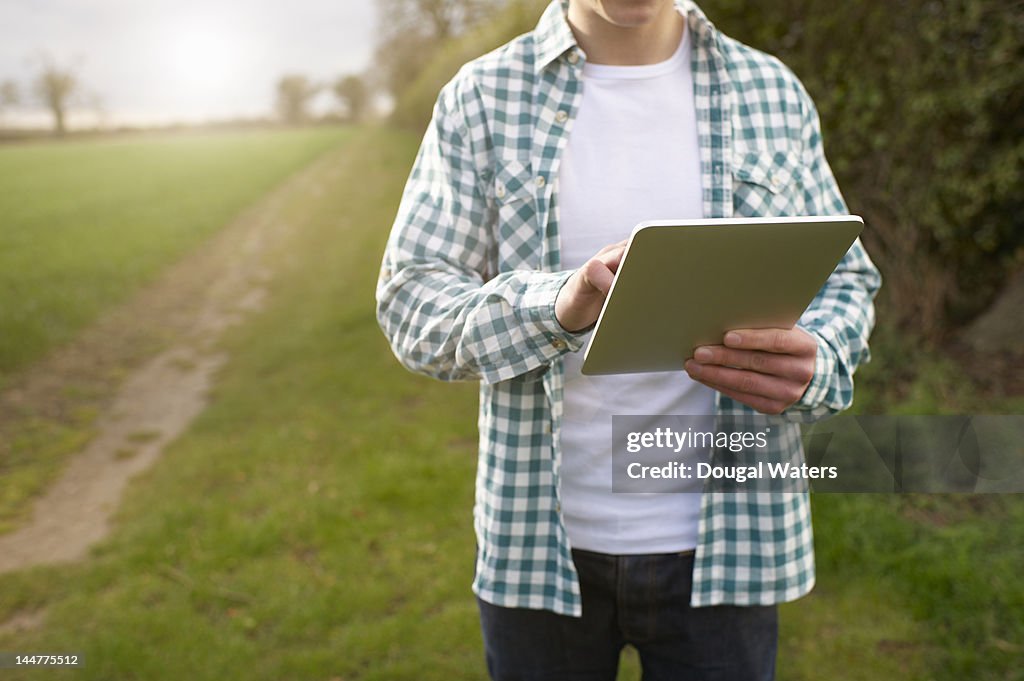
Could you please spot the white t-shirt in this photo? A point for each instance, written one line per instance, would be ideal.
(632, 155)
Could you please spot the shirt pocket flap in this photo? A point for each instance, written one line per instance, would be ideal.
(512, 182)
(773, 170)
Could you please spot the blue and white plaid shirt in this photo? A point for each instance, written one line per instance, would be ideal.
(469, 278)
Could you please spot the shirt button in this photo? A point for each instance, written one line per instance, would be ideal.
(775, 181)
(500, 191)
(558, 507)
(540, 181)
(574, 57)
(561, 117)
(558, 344)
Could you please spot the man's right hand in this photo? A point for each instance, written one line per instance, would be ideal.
(580, 299)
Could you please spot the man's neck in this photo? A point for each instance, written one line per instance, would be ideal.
(605, 42)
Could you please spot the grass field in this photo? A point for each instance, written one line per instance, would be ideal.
(315, 522)
(84, 223)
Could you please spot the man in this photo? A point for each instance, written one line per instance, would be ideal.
(539, 160)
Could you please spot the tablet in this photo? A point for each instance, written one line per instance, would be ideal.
(684, 283)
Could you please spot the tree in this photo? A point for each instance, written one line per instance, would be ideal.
(439, 19)
(10, 94)
(56, 85)
(354, 95)
(411, 31)
(294, 94)
(414, 102)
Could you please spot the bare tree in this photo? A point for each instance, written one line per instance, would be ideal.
(294, 94)
(411, 30)
(439, 19)
(56, 85)
(354, 95)
(10, 94)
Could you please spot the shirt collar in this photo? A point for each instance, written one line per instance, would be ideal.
(553, 37)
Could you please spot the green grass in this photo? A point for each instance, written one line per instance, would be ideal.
(315, 522)
(312, 524)
(954, 560)
(84, 223)
(32, 451)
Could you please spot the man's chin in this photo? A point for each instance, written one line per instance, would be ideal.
(631, 13)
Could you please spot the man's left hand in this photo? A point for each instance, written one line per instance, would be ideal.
(767, 369)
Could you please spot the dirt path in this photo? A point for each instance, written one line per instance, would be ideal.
(157, 358)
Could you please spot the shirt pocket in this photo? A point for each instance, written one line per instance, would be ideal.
(768, 183)
(518, 234)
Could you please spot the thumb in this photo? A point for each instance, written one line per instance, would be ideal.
(597, 275)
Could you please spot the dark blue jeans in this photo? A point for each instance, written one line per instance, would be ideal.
(641, 600)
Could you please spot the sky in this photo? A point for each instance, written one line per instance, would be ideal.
(160, 61)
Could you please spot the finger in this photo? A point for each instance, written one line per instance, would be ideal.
(795, 368)
(748, 382)
(765, 405)
(611, 247)
(612, 258)
(793, 341)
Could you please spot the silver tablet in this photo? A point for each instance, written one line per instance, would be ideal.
(684, 283)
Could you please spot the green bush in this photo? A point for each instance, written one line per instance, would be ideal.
(922, 105)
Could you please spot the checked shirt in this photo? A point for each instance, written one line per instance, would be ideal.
(471, 271)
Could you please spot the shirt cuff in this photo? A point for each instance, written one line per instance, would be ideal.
(824, 372)
(536, 310)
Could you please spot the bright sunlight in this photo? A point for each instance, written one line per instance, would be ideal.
(201, 59)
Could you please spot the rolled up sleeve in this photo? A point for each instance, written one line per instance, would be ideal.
(444, 314)
(842, 314)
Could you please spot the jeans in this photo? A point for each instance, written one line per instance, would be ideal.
(642, 600)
